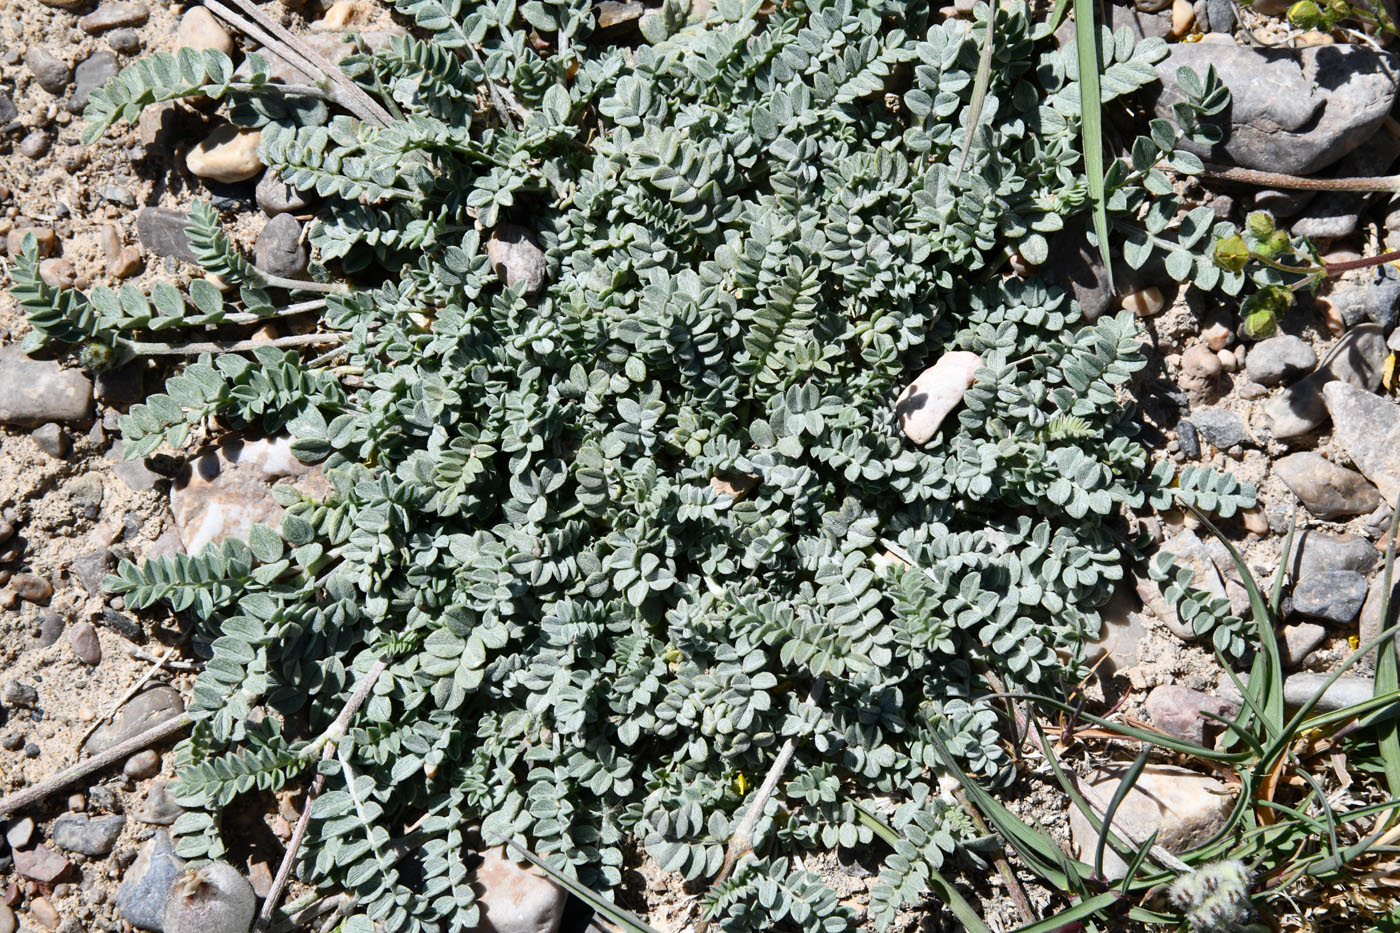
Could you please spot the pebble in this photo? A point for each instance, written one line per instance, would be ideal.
(35, 145)
(1255, 520)
(139, 714)
(926, 401)
(43, 912)
(20, 833)
(1221, 429)
(1327, 490)
(279, 250)
(89, 835)
(96, 70)
(228, 154)
(162, 232)
(44, 239)
(125, 41)
(50, 72)
(1181, 712)
(1332, 595)
(1348, 690)
(41, 864)
(1144, 302)
(1320, 551)
(1228, 361)
(111, 16)
(1356, 359)
(8, 923)
(1200, 374)
(1368, 429)
(1183, 807)
(517, 258)
(516, 898)
(159, 809)
(58, 273)
(35, 391)
(90, 568)
(51, 440)
(133, 473)
(51, 626)
(146, 883)
(275, 196)
(1301, 640)
(82, 638)
(1294, 111)
(1183, 16)
(1278, 359)
(1188, 440)
(142, 765)
(1283, 203)
(199, 29)
(31, 587)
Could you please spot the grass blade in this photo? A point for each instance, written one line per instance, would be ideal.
(979, 89)
(1086, 35)
(1388, 672)
(1119, 795)
(1057, 16)
(624, 920)
(1073, 914)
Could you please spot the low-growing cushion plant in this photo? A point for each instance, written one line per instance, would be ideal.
(610, 545)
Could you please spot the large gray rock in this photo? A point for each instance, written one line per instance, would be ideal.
(1356, 359)
(1319, 551)
(35, 391)
(279, 250)
(96, 70)
(1221, 429)
(1348, 690)
(88, 835)
(1294, 111)
(517, 258)
(1325, 489)
(162, 232)
(1333, 595)
(147, 882)
(516, 898)
(1277, 359)
(139, 714)
(1368, 428)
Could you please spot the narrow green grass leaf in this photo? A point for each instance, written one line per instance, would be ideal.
(1119, 795)
(979, 88)
(1077, 912)
(1388, 672)
(1086, 35)
(625, 920)
(1057, 16)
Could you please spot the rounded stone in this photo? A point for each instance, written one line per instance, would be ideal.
(228, 154)
(279, 250)
(142, 765)
(200, 30)
(82, 638)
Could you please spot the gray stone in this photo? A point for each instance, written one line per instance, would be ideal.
(125, 41)
(8, 923)
(90, 567)
(279, 250)
(516, 898)
(1319, 551)
(221, 902)
(18, 693)
(1185, 713)
(113, 15)
(51, 626)
(162, 232)
(1121, 631)
(1301, 640)
(1332, 595)
(1348, 690)
(1294, 111)
(50, 72)
(1221, 429)
(1356, 359)
(51, 440)
(142, 765)
(1221, 15)
(517, 258)
(1327, 491)
(20, 832)
(82, 638)
(1372, 296)
(1368, 428)
(1331, 215)
(275, 196)
(146, 883)
(1188, 439)
(139, 714)
(1189, 551)
(134, 473)
(1283, 203)
(88, 835)
(1277, 359)
(35, 391)
(41, 864)
(36, 145)
(1184, 808)
(96, 70)
(122, 625)
(9, 113)
(159, 809)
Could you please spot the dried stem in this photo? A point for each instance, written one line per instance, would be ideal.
(82, 769)
(1251, 176)
(326, 742)
(238, 346)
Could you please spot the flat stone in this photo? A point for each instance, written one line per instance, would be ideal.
(159, 809)
(1188, 439)
(162, 232)
(1348, 690)
(44, 912)
(1294, 111)
(112, 16)
(517, 258)
(1183, 807)
(31, 587)
(1316, 551)
(51, 626)
(1332, 595)
(19, 693)
(90, 568)
(1187, 550)
(225, 492)
(1358, 359)
(8, 923)
(279, 250)
(1283, 203)
(227, 154)
(139, 714)
(1301, 640)
(120, 387)
(199, 29)
(226, 902)
(20, 833)
(275, 196)
(88, 835)
(125, 40)
(1182, 712)
(50, 72)
(1368, 428)
(35, 391)
(1221, 429)
(41, 864)
(1327, 491)
(926, 401)
(1121, 631)
(51, 440)
(96, 70)
(1279, 359)
(1333, 214)
(82, 638)
(134, 473)
(516, 898)
(144, 887)
(45, 240)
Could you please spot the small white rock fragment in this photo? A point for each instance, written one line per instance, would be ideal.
(927, 400)
(1144, 302)
(228, 154)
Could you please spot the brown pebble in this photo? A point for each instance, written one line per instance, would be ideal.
(1255, 521)
(58, 273)
(85, 713)
(1144, 302)
(1217, 336)
(32, 587)
(82, 638)
(47, 240)
(142, 765)
(1183, 15)
(127, 264)
(43, 912)
(76, 801)
(1332, 317)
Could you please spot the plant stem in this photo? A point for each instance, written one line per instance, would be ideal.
(82, 769)
(239, 346)
(1251, 176)
(301, 307)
